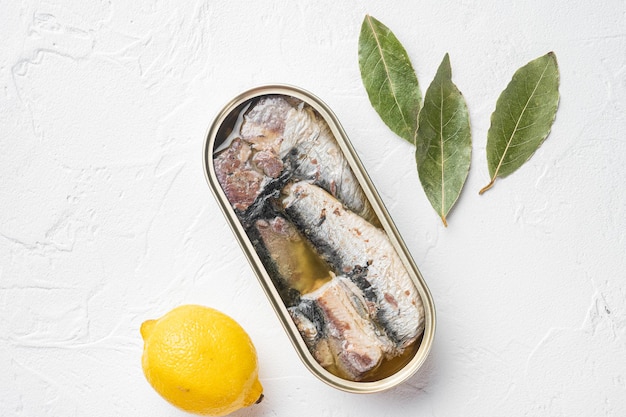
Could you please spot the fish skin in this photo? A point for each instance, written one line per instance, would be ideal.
(337, 330)
(308, 139)
(354, 247)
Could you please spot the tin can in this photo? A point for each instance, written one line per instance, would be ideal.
(223, 129)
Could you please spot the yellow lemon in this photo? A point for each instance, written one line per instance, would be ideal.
(201, 361)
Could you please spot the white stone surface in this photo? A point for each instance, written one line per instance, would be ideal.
(106, 219)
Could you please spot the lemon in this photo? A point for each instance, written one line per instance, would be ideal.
(201, 361)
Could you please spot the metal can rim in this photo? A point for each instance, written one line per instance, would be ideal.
(313, 366)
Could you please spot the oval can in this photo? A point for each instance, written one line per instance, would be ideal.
(239, 204)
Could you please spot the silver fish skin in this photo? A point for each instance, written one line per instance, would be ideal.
(354, 247)
(334, 324)
(308, 139)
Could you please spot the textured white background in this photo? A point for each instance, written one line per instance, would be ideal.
(106, 219)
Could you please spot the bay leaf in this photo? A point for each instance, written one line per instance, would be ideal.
(443, 142)
(389, 78)
(523, 116)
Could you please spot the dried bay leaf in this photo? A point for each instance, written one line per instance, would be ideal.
(523, 116)
(389, 78)
(443, 142)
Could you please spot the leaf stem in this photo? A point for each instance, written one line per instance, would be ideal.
(488, 186)
(443, 219)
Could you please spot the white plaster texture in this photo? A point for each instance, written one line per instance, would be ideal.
(106, 219)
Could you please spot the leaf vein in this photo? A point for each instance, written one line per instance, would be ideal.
(506, 149)
(387, 72)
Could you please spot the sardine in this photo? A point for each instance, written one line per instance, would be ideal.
(249, 160)
(363, 252)
(334, 324)
(287, 133)
(308, 139)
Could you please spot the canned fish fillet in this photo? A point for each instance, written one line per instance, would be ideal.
(319, 239)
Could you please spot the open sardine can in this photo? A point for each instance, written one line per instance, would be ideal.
(319, 239)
